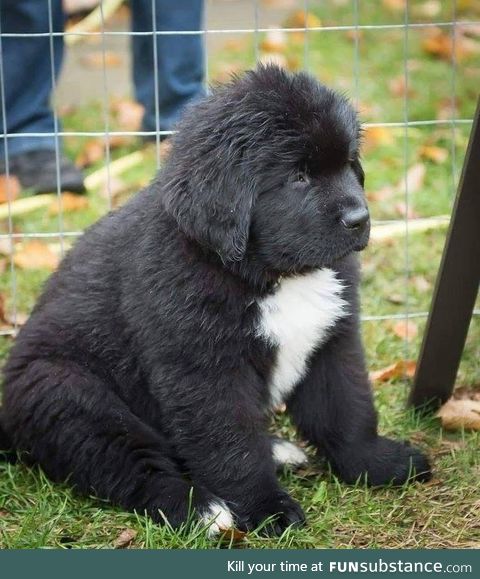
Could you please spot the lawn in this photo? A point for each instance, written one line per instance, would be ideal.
(410, 172)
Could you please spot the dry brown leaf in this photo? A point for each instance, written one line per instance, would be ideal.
(125, 539)
(300, 19)
(99, 59)
(405, 329)
(399, 88)
(129, 114)
(395, 370)
(9, 188)
(232, 535)
(92, 152)
(435, 154)
(460, 414)
(354, 35)
(374, 137)
(440, 44)
(35, 255)
(68, 202)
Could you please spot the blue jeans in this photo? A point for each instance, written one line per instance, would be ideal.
(27, 66)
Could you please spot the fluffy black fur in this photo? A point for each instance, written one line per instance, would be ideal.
(140, 375)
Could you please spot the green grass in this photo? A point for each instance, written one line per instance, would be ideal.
(444, 513)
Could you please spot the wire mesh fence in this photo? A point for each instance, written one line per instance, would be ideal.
(412, 69)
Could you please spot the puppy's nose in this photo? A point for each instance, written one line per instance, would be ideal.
(355, 218)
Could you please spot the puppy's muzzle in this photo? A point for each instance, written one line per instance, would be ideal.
(357, 222)
(355, 219)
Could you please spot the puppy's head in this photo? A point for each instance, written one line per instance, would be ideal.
(269, 166)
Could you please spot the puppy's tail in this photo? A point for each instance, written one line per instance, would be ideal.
(7, 452)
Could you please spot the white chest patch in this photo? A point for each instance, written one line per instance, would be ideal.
(296, 319)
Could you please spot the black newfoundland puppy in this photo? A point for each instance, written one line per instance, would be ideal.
(151, 363)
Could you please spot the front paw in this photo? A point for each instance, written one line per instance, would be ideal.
(279, 511)
(383, 462)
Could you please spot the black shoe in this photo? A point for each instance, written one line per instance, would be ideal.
(37, 171)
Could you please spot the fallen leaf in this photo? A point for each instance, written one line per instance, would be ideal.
(373, 137)
(124, 539)
(92, 152)
(396, 370)
(35, 255)
(68, 202)
(234, 535)
(460, 414)
(100, 59)
(435, 154)
(399, 87)
(302, 19)
(129, 114)
(405, 329)
(440, 44)
(95, 149)
(354, 35)
(9, 188)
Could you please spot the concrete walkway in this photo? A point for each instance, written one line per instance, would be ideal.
(82, 83)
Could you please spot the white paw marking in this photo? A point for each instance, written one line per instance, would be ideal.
(218, 517)
(286, 453)
(296, 319)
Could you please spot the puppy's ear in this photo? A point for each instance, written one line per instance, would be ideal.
(213, 210)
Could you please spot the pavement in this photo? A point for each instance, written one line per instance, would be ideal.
(84, 81)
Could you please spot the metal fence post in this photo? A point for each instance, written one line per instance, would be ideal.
(456, 288)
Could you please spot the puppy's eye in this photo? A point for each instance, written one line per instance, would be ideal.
(301, 177)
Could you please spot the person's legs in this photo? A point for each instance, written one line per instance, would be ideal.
(27, 72)
(180, 59)
(26, 85)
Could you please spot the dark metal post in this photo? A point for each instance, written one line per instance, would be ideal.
(456, 288)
